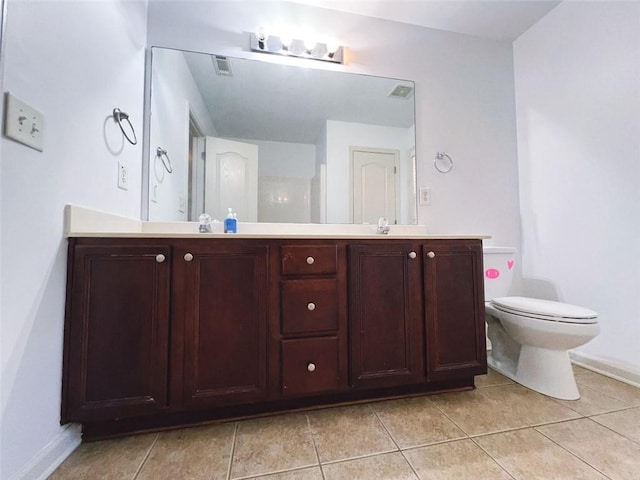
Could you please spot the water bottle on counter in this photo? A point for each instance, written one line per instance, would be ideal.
(231, 223)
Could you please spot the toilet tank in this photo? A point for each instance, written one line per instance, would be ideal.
(499, 263)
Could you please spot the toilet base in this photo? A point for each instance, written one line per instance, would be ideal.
(546, 371)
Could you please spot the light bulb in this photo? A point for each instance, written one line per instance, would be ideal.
(262, 36)
(310, 45)
(286, 40)
(332, 46)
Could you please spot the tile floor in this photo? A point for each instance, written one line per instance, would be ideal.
(501, 430)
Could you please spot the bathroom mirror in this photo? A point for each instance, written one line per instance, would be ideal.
(278, 143)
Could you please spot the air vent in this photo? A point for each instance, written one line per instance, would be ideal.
(401, 91)
(222, 66)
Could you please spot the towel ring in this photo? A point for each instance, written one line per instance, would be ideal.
(119, 116)
(162, 153)
(443, 162)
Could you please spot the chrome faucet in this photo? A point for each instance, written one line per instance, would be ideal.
(383, 226)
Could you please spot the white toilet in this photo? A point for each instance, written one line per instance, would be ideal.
(530, 337)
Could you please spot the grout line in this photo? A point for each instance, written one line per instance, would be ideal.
(148, 454)
(315, 447)
(570, 452)
(395, 442)
(612, 430)
(492, 458)
(233, 450)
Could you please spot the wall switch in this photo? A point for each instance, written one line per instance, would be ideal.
(123, 176)
(23, 123)
(425, 196)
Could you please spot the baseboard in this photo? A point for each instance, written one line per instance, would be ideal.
(606, 367)
(52, 455)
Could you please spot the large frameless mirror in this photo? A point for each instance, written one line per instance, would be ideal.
(278, 143)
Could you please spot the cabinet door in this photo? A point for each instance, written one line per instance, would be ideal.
(116, 334)
(454, 305)
(223, 313)
(385, 309)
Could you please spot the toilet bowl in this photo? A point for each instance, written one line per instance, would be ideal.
(531, 337)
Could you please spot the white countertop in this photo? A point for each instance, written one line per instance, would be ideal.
(83, 222)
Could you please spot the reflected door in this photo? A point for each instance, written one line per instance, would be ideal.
(231, 171)
(374, 185)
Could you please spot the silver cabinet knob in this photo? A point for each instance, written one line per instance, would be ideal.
(412, 255)
(188, 257)
(311, 306)
(431, 255)
(310, 260)
(160, 258)
(311, 367)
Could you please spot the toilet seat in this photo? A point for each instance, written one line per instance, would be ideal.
(545, 310)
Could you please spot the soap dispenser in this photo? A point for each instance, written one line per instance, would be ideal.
(230, 223)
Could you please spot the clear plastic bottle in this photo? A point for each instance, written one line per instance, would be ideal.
(230, 223)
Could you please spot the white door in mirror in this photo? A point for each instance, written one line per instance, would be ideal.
(23, 123)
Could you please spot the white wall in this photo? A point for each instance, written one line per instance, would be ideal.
(577, 75)
(343, 135)
(464, 95)
(75, 62)
(173, 97)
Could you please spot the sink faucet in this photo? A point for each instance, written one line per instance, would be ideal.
(383, 226)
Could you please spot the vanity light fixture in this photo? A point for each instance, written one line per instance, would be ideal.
(285, 44)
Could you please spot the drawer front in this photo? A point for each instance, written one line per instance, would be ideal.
(309, 365)
(309, 306)
(309, 259)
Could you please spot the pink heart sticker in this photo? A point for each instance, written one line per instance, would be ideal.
(510, 264)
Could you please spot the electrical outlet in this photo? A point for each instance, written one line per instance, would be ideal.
(182, 204)
(123, 176)
(23, 123)
(425, 196)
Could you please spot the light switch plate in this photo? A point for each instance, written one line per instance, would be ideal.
(23, 123)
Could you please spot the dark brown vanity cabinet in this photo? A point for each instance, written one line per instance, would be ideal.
(454, 309)
(385, 314)
(310, 335)
(219, 335)
(116, 332)
(169, 331)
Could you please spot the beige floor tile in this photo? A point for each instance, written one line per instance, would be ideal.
(117, 459)
(492, 379)
(416, 421)
(578, 370)
(496, 409)
(388, 466)
(527, 454)
(348, 432)
(272, 444)
(612, 454)
(201, 453)
(626, 423)
(593, 402)
(313, 473)
(460, 460)
(613, 388)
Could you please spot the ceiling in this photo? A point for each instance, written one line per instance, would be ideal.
(498, 20)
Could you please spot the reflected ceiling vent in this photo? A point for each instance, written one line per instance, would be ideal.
(222, 66)
(401, 91)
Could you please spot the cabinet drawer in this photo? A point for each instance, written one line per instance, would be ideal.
(309, 306)
(309, 365)
(309, 259)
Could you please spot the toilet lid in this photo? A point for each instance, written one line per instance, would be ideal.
(545, 309)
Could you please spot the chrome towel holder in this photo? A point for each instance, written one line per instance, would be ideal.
(443, 162)
(119, 116)
(162, 153)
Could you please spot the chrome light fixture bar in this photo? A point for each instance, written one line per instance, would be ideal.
(293, 47)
